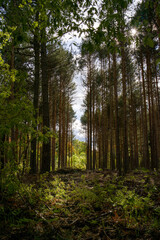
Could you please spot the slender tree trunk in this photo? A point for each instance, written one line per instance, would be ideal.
(152, 117)
(141, 127)
(118, 160)
(104, 121)
(94, 129)
(2, 153)
(125, 134)
(38, 157)
(112, 160)
(67, 130)
(45, 104)
(88, 138)
(136, 160)
(60, 126)
(54, 132)
(150, 109)
(63, 130)
(89, 115)
(157, 113)
(145, 147)
(90, 112)
(36, 97)
(99, 139)
(71, 145)
(12, 66)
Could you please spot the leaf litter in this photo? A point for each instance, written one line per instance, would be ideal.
(72, 204)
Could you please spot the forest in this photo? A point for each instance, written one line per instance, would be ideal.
(52, 185)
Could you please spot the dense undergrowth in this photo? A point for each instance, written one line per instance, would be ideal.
(74, 204)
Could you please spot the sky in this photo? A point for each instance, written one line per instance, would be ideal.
(68, 41)
(77, 107)
(79, 95)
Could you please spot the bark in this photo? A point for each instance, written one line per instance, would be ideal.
(54, 132)
(133, 131)
(150, 110)
(90, 113)
(125, 133)
(45, 104)
(67, 128)
(71, 145)
(152, 117)
(94, 128)
(88, 138)
(89, 116)
(36, 98)
(2, 153)
(63, 129)
(104, 122)
(118, 160)
(146, 158)
(99, 140)
(157, 113)
(60, 126)
(112, 160)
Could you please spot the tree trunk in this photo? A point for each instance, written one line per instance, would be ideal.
(145, 127)
(63, 129)
(125, 134)
(67, 129)
(36, 98)
(112, 160)
(90, 112)
(60, 126)
(94, 129)
(118, 160)
(45, 105)
(153, 140)
(54, 132)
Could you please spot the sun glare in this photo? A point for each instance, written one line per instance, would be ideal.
(133, 32)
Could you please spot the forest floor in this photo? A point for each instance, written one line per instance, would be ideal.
(73, 204)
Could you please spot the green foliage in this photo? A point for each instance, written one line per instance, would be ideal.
(52, 190)
(79, 154)
(132, 204)
(134, 207)
(79, 161)
(48, 200)
(148, 41)
(79, 147)
(85, 196)
(16, 110)
(9, 179)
